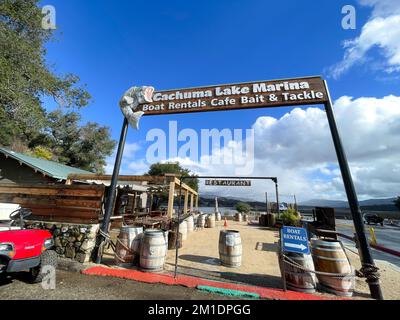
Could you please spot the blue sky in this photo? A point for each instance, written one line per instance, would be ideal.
(113, 45)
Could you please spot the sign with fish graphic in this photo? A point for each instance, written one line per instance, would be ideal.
(260, 94)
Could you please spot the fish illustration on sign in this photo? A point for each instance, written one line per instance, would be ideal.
(130, 101)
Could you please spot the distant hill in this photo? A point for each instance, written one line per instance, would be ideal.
(344, 204)
(208, 200)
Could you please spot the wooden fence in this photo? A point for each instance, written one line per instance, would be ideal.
(60, 203)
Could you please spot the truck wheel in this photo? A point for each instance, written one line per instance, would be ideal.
(48, 258)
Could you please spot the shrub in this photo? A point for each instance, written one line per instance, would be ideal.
(42, 153)
(290, 218)
(242, 207)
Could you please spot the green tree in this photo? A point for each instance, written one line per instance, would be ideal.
(159, 169)
(26, 79)
(42, 152)
(397, 203)
(25, 76)
(243, 207)
(84, 147)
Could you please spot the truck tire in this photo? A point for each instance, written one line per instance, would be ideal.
(48, 258)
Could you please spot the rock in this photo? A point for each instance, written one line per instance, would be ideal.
(57, 242)
(82, 257)
(60, 250)
(71, 239)
(56, 232)
(70, 252)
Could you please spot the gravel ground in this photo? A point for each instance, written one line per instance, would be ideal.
(75, 286)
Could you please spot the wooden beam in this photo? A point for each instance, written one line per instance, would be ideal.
(191, 202)
(152, 179)
(54, 190)
(171, 199)
(185, 186)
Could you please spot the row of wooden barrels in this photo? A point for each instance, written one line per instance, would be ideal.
(327, 268)
(149, 249)
(267, 220)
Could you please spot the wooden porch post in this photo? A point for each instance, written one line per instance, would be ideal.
(185, 202)
(191, 202)
(171, 199)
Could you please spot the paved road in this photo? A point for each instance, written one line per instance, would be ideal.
(73, 286)
(387, 236)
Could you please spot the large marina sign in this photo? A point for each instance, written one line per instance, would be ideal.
(273, 93)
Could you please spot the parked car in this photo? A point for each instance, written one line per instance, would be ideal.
(373, 218)
(25, 250)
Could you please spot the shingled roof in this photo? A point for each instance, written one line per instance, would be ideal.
(50, 168)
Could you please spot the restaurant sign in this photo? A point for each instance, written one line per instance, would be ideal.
(228, 183)
(273, 93)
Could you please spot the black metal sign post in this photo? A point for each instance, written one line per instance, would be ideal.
(111, 194)
(368, 265)
(277, 198)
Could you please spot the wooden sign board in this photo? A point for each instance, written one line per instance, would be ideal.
(273, 93)
(228, 183)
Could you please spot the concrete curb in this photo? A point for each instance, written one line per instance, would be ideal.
(193, 282)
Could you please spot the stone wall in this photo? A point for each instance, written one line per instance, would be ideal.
(73, 241)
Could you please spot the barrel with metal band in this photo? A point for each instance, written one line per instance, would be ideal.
(190, 224)
(210, 221)
(183, 229)
(299, 272)
(334, 271)
(201, 221)
(153, 250)
(230, 248)
(127, 248)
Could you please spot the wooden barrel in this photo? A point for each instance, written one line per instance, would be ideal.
(262, 220)
(153, 250)
(230, 248)
(271, 219)
(329, 256)
(298, 279)
(218, 216)
(211, 221)
(238, 217)
(190, 224)
(172, 240)
(201, 221)
(183, 230)
(127, 249)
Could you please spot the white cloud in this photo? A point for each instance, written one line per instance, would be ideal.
(130, 150)
(298, 149)
(382, 31)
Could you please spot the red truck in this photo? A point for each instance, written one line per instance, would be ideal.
(25, 250)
